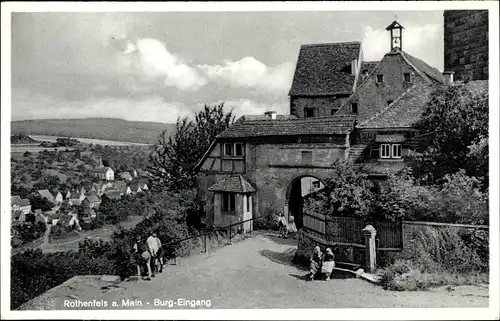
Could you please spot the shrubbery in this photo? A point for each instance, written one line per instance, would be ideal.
(438, 257)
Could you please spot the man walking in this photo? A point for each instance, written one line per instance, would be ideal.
(143, 256)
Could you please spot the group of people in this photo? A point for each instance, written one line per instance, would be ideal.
(322, 264)
(149, 254)
(287, 226)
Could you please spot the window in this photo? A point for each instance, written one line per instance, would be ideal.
(306, 157)
(334, 110)
(380, 79)
(308, 112)
(249, 203)
(238, 147)
(407, 77)
(315, 184)
(390, 151)
(231, 149)
(396, 151)
(354, 108)
(228, 202)
(228, 149)
(385, 151)
(389, 102)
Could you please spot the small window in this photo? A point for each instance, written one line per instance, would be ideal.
(396, 151)
(308, 112)
(306, 157)
(228, 202)
(238, 147)
(389, 102)
(316, 184)
(249, 203)
(407, 77)
(380, 79)
(385, 151)
(354, 108)
(228, 149)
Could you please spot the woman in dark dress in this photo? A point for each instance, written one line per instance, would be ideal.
(315, 262)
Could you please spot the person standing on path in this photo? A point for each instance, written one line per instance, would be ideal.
(154, 245)
(143, 256)
(328, 264)
(292, 228)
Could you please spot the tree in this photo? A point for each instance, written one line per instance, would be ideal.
(174, 157)
(347, 192)
(456, 119)
(39, 202)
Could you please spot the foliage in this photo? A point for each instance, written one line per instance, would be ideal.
(28, 232)
(39, 202)
(437, 257)
(174, 157)
(457, 122)
(347, 193)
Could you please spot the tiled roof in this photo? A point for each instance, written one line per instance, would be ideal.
(25, 202)
(75, 195)
(46, 193)
(125, 174)
(422, 66)
(15, 200)
(366, 66)
(389, 138)
(17, 214)
(335, 125)
(408, 108)
(265, 117)
(113, 194)
(93, 198)
(233, 183)
(101, 169)
(325, 69)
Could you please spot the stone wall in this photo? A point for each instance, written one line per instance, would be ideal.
(323, 106)
(466, 43)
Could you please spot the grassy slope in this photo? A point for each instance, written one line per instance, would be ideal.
(98, 128)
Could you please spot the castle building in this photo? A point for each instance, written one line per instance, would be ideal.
(341, 109)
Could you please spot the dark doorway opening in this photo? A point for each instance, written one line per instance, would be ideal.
(299, 188)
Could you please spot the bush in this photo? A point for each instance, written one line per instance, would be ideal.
(434, 258)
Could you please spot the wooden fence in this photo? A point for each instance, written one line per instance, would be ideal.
(391, 236)
(349, 230)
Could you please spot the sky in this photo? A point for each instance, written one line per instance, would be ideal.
(163, 65)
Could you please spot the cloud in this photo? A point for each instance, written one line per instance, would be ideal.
(251, 73)
(29, 105)
(149, 59)
(421, 41)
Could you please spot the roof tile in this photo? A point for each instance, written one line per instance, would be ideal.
(325, 69)
(233, 184)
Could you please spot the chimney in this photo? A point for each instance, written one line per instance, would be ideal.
(271, 114)
(354, 67)
(448, 77)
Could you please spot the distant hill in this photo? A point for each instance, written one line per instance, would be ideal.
(97, 128)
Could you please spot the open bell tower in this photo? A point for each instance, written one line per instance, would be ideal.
(396, 30)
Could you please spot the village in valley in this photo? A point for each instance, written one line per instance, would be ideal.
(51, 208)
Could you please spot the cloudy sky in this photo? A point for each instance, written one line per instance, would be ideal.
(159, 66)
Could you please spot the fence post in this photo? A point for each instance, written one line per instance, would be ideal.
(230, 235)
(205, 243)
(370, 252)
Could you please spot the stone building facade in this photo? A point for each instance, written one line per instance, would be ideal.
(256, 166)
(466, 43)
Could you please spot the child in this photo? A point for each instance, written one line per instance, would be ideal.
(291, 226)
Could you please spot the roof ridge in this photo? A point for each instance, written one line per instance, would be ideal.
(389, 106)
(324, 44)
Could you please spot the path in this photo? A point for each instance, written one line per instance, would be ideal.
(256, 273)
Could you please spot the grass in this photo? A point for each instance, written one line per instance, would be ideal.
(437, 258)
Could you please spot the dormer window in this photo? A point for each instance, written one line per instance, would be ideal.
(380, 79)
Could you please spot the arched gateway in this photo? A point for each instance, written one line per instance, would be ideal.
(299, 187)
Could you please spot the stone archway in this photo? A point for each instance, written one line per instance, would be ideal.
(299, 187)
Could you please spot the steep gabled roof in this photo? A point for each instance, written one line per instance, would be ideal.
(46, 193)
(15, 200)
(366, 67)
(409, 107)
(325, 69)
(422, 67)
(25, 202)
(233, 184)
(102, 169)
(335, 125)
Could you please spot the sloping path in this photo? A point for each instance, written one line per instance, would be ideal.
(256, 273)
